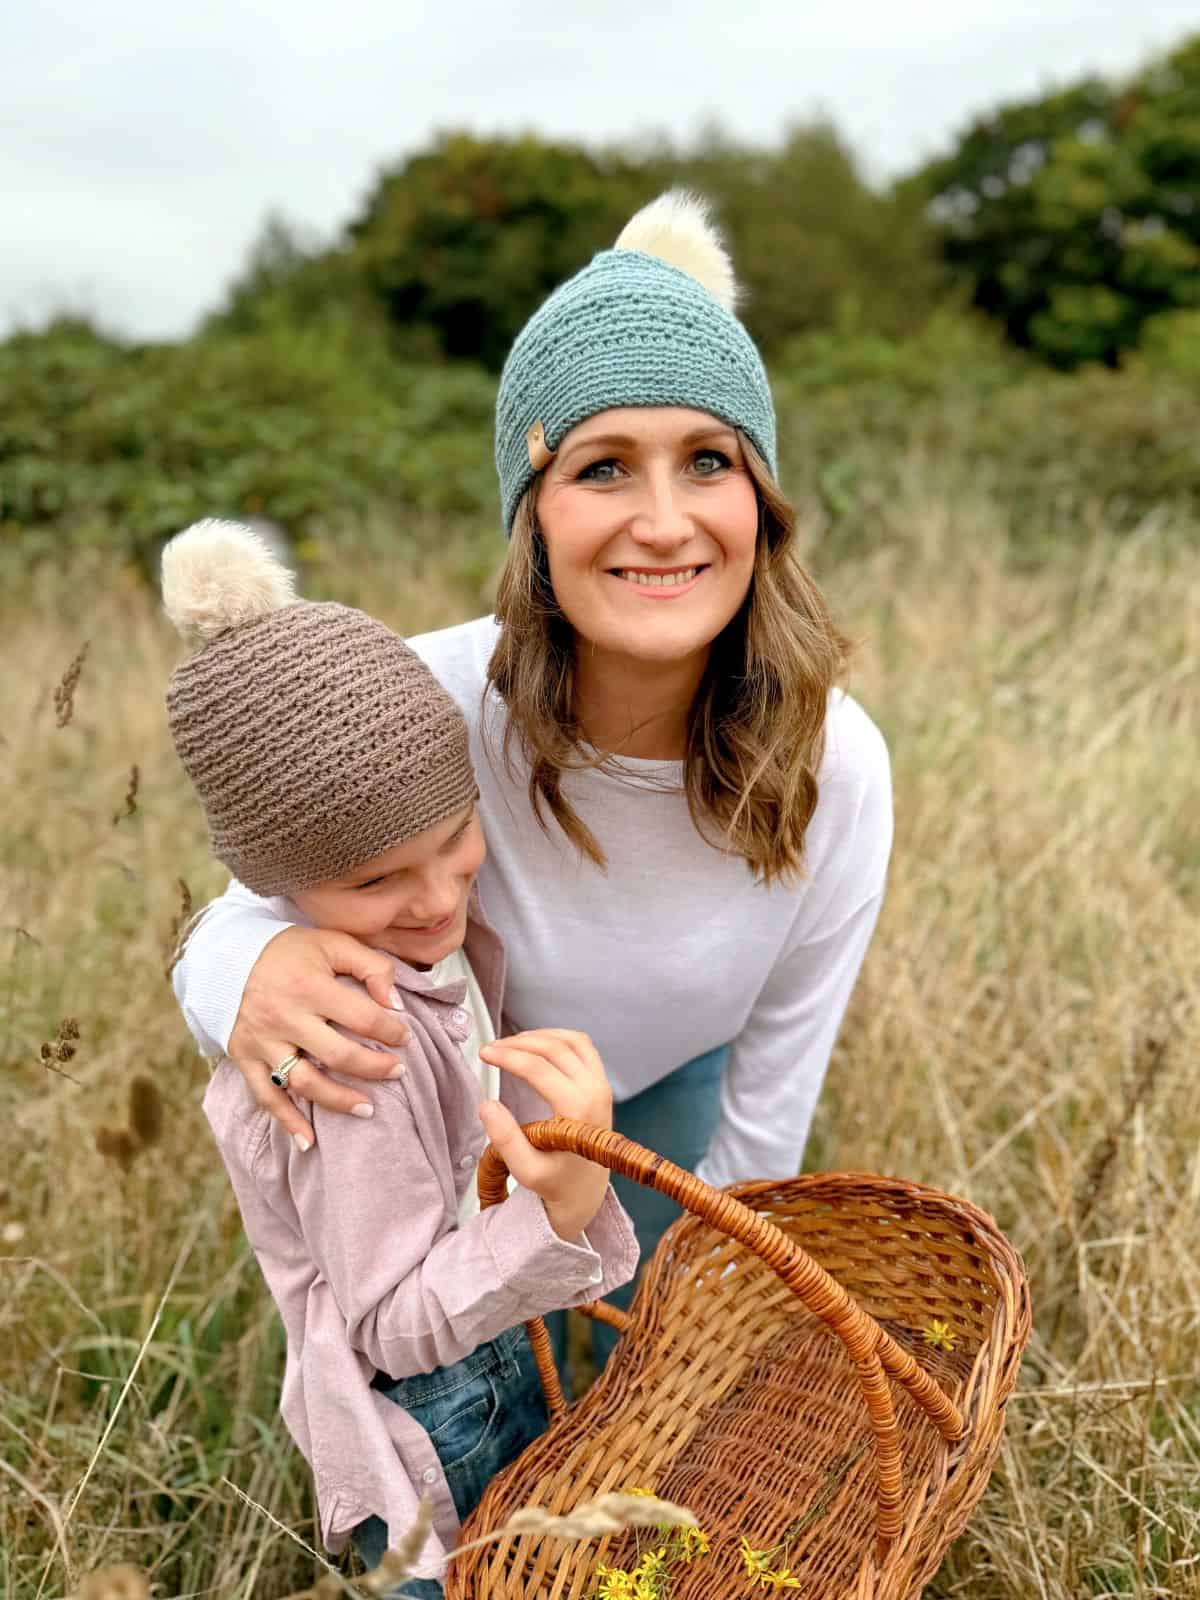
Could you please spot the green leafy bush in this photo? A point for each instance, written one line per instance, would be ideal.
(1052, 451)
(124, 445)
(325, 431)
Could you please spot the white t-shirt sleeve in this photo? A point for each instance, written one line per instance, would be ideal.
(219, 954)
(776, 1065)
(778, 1060)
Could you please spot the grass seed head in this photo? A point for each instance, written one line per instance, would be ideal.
(64, 694)
(117, 1144)
(145, 1111)
(121, 1582)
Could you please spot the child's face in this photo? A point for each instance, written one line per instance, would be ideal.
(410, 901)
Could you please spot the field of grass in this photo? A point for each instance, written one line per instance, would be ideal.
(1026, 1033)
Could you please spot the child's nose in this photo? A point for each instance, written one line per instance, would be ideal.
(433, 902)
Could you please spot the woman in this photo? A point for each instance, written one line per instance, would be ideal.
(689, 826)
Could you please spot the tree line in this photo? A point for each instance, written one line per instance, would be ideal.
(1072, 219)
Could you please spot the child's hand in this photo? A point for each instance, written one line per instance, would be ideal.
(566, 1071)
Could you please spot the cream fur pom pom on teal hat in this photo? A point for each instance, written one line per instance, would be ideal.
(648, 323)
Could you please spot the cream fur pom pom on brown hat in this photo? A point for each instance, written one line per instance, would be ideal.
(315, 738)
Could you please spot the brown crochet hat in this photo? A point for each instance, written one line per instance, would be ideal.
(315, 738)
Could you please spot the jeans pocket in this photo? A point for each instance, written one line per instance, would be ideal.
(460, 1423)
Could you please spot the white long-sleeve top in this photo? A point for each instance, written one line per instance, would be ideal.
(671, 951)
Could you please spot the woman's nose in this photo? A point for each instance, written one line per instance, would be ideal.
(662, 520)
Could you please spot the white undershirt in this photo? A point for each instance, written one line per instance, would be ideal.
(671, 952)
(448, 970)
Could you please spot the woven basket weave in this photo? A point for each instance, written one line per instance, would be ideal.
(774, 1375)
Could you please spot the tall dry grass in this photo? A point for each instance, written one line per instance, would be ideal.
(1025, 1033)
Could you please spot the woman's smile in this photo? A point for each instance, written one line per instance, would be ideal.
(660, 583)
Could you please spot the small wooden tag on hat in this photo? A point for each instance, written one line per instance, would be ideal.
(540, 454)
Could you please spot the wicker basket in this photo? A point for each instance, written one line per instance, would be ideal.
(776, 1377)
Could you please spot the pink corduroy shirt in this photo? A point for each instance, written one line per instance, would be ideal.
(359, 1244)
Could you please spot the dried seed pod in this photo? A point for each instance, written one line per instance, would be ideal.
(118, 1145)
(131, 794)
(64, 694)
(145, 1111)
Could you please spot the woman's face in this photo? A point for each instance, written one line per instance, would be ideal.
(650, 519)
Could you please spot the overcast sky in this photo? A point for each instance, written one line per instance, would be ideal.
(142, 143)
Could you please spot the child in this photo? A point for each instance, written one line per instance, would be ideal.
(335, 774)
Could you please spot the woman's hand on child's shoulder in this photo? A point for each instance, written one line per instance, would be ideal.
(566, 1070)
(290, 1003)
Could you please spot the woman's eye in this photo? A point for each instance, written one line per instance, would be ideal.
(600, 471)
(707, 462)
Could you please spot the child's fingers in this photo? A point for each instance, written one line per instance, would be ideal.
(540, 1048)
(505, 1133)
(580, 1043)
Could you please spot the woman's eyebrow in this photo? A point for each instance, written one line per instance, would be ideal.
(605, 441)
(715, 430)
(624, 441)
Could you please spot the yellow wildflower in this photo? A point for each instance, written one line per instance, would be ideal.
(615, 1584)
(653, 1566)
(754, 1561)
(693, 1542)
(938, 1335)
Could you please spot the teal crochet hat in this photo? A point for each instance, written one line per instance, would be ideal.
(648, 323)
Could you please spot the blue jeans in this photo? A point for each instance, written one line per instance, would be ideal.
(479, 1413)
(676, 1117)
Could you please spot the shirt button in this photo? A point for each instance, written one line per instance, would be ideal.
(467, 1162)
(430, 1475)
(597, 1276)
(458, 1015)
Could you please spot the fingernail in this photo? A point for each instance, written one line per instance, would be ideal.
(397, 1003)
(363, 1109)
(397, 1071)
(301, 1142)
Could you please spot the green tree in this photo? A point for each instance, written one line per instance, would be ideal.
(471, 235)
(814, 245)
(1075, 218)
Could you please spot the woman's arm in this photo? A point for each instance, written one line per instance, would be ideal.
(256, 988)
(777, 1063)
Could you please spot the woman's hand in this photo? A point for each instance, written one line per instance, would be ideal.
(291, 998)
(566, 1070)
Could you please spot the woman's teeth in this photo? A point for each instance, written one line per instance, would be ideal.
(662, 579)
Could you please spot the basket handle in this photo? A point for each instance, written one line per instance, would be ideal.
(872, 1349)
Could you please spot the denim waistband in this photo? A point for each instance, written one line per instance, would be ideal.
(497, 1357)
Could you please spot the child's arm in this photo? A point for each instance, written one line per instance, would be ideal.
(371, 1205)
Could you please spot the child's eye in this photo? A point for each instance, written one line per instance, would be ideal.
(370, 883)
(708, 462)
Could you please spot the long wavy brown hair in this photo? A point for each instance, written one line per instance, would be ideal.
(756, 728)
